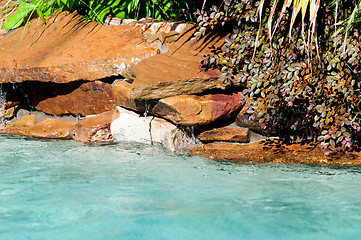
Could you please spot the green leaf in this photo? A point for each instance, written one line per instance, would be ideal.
(15, 21)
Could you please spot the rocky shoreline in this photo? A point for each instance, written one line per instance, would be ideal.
(133, 81)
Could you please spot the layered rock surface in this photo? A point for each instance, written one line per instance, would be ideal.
(66, 49)
(47, 128)
(274, 151)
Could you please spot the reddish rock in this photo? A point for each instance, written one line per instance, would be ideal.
(225, 134)
(66, 49)
(197, 110)
(58, 99)
(94, 129)
(48, 128)
(273, 151)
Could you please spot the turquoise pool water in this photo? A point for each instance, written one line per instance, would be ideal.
(66, 190)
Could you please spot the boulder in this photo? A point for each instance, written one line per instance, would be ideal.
(130, 127)
(197, 110)
(176, 72)
(47, 128)
(66, 49)
(84, 98)
(94, 129)
(225, 134)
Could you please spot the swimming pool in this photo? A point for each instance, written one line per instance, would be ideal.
(69, 190)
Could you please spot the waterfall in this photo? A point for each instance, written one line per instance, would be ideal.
(2, 105)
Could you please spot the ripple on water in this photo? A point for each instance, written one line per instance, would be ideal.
(68, 190)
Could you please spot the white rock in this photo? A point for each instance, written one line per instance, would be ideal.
(129, 126)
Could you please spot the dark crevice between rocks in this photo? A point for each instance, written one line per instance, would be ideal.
(30, 93)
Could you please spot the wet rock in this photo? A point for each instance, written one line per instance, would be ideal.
(225, 134)
(197, 110)
(19, 127)
(48, 128)
(84, 98)
(131, 127)
(274, 151)
(66, 49)
(51, 129)
(94, 129)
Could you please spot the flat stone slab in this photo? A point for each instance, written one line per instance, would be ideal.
(225, 134)
(47, 128)
(176, 72)
(274, 151)
(66, 49)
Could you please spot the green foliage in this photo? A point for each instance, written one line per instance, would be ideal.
(304, 89)
(98, 10)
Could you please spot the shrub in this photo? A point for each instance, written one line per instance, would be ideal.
(97, 10)
(305, 84)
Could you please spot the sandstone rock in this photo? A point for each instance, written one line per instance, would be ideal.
(72, 98)
(48, 128)
(225, 134)
(95, 129)
(197, 110)
(274, 151)
(51, 129)
(121, 94)
(19, 127)
(66, 49)
(177, 72)
(130, 127)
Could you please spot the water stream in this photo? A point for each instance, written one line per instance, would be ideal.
(67, 190)
(2, 106)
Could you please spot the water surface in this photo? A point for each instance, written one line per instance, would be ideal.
(67, 190)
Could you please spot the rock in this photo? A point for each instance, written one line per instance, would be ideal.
(19, 127)
(177, 72)
(10, 109)
(197, 110)
(51, 129)
(84, 99)
(247, 121)
(121, 94)
(66, 49)
(94, 129)
(131, 127)
(48, 128)
(225, 134)
(274, 151)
